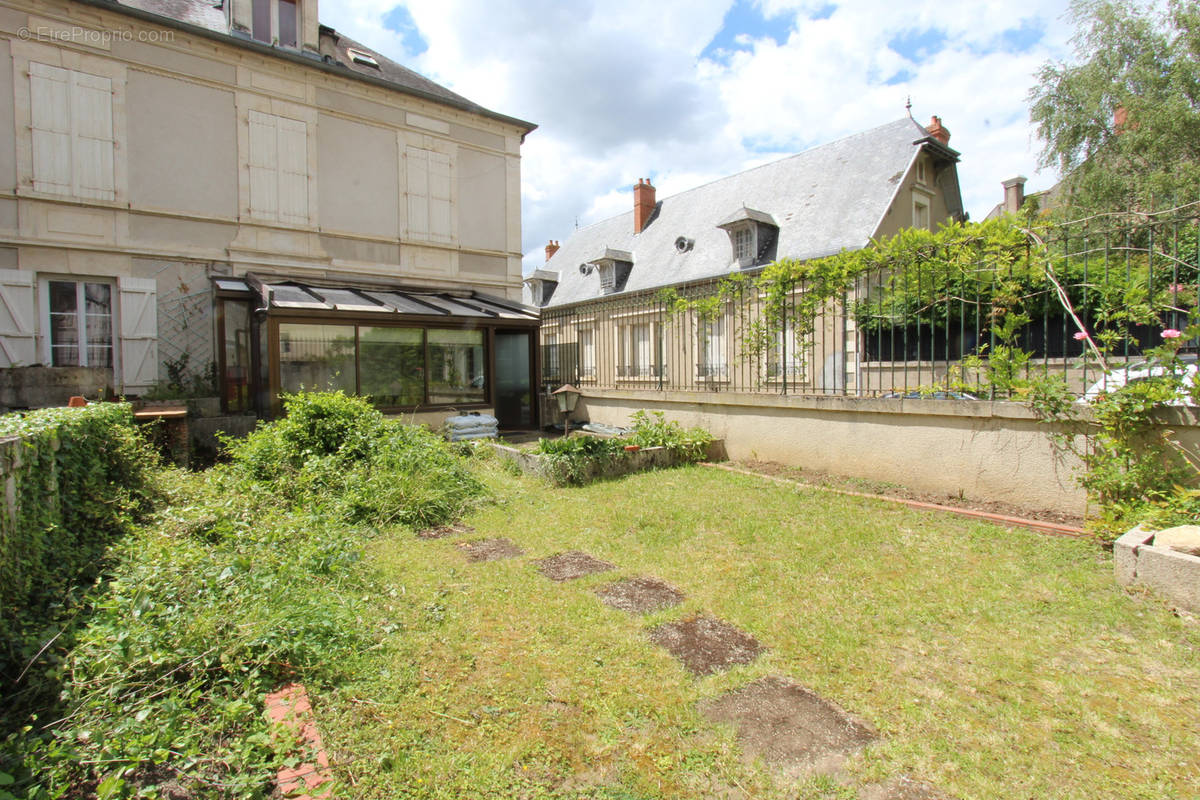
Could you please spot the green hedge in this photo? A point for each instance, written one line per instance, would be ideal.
(75, 479)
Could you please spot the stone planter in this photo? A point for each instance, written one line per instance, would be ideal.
(1174, 575)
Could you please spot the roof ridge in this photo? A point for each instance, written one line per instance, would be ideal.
(776, 162)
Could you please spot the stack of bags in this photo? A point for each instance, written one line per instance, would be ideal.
(471, 426)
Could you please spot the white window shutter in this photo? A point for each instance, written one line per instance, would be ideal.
(439, 197)
(50, 107)
(293, 171)
(264, 163)
(92, 136)
(139, 333)
(18, 340)
(417, 168)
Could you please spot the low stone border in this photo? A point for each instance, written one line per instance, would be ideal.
(624, 463)
(1175, 575)
(289, 708)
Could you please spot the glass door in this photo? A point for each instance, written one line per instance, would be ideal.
(514, 380)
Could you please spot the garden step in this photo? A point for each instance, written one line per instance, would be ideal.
(571, 565)
(640, 595)
(706, 645)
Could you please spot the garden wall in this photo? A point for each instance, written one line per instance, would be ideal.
(986, 451)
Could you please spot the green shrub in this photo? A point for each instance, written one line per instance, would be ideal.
(654, 430)
(574, 459)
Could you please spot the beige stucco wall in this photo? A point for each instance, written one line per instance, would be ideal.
(481, 193)
(360, 190)
(981, 451)
(168, 118)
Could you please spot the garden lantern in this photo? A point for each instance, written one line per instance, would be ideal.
(567, 396)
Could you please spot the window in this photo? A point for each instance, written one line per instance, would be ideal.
(921, 214)
(81, 323)
(456, 366)
(429, 202)
(638, 349)
(392, 364)
(359, 57)
(71, 116)
(551, 363)
(712, 362)
(276, 22)
(922, 176)
(785, 361)
(278, 168)
(587, 353)
(316, 357)
(743, 244)
(235, 332)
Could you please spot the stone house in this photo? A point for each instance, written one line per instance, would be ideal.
(233, 191)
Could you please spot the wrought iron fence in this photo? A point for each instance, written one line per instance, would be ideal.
(924, 328)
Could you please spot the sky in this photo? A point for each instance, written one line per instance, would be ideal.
(687, 91)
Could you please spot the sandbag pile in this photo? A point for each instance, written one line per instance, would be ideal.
(471, 426)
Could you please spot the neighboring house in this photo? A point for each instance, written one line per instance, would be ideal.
(231, 187)
(601, 324)
(1015, 198)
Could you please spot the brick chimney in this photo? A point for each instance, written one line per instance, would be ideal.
(938, 131)
(1120, 119)
(643, 204)
(1014, 194)
(551, 249)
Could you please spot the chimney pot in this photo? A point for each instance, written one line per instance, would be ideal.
(643, 204)
(938, 131)
(551, 249)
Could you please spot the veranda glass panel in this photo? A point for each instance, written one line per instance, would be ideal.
(237, 355)
(316, 357)
(456, 366)
(392, 365)
(64, 324)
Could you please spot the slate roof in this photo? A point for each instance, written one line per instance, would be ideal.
(824, 200)
(209, 15)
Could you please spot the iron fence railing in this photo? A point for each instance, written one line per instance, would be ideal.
(934, 325)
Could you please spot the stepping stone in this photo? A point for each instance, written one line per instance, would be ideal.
(902, 788)
(791, 728)
(706, 645)
(490, 550)
(572, 564)
(640, 595)
(442, 531)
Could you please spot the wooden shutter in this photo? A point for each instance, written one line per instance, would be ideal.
(92, 136)
(139, 333)
(417, 168)
(50, 108)
(439, 197)
(264, 166)
(293, 171)
(18, 342)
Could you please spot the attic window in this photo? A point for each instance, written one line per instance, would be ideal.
(743, 244)
(613, 267)
(752, 236)
(359, 57)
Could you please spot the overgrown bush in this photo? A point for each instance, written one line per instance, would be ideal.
(82, 476)
(250, 577)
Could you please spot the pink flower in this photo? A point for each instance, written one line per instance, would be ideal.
(1080, 335)
(1171, 333)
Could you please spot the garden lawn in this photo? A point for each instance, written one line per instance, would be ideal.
(992, 662)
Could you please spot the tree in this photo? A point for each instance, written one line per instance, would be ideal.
(1123, 124)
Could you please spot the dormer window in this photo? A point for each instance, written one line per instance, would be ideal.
(752, 236)
(613, 267)
(276, 22)
(542, 284)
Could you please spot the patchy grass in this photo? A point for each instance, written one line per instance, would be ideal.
(992, 662)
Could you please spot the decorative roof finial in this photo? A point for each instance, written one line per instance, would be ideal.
(908, 107)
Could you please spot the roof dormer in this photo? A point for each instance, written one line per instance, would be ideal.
(613, 267)
(542, 283)
(752, 235)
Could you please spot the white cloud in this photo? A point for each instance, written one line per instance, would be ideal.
(619, 90)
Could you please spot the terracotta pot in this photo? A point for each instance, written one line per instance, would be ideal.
(632, 448)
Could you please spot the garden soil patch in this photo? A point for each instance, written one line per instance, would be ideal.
(902, 788)
(706, 645)
(572, 564)
(790, 728)
(442, 531)
(490, 550)
(640, 595)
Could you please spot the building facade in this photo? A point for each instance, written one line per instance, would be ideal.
(231, 192)
(605, 322)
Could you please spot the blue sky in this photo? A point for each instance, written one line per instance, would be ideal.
(686, 91)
